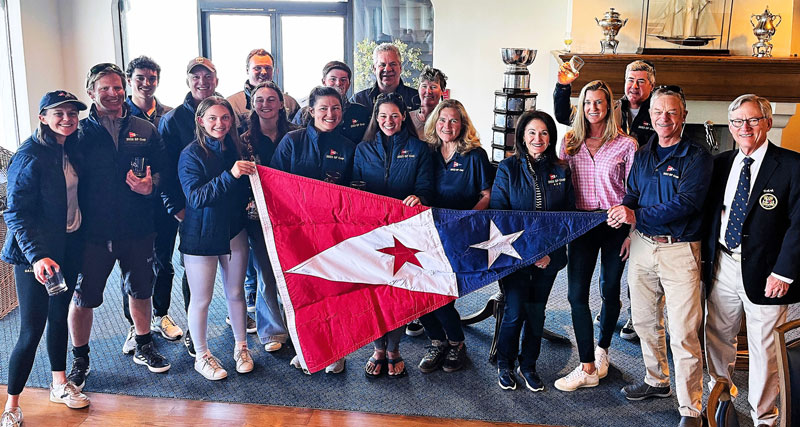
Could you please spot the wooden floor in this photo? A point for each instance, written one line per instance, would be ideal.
(117, 410)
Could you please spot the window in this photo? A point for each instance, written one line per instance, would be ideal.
(301, 35)
(9, 134)
(166, 31)
(408, 23)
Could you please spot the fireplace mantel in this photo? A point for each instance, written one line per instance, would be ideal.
(703, 78)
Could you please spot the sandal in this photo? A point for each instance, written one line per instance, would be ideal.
(382, 363)
(401, 373)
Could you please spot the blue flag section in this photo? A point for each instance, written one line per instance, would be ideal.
(484, 246)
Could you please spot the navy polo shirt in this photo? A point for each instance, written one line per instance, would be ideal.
(667, 195)
(313, 154)
(460, 181)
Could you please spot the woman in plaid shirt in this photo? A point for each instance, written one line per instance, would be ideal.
(600, 156)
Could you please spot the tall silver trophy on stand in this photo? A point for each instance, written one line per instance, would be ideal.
(514, 99)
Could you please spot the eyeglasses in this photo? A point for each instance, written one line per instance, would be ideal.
(752, 122)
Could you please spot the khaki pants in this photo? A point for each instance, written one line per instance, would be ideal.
(725, 306)
(668, 273)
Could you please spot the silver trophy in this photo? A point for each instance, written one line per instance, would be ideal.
(516, 77)
(515, 98)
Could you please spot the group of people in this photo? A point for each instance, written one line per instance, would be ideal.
(134, 174)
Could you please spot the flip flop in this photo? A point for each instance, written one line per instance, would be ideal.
(402, 373)
(383, 363)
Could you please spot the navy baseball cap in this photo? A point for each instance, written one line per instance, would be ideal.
(58, 97)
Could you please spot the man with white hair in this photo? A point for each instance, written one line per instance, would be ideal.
(751, 252)
(387, 64)
(666, 189)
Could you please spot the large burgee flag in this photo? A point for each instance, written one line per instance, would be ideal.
(352, 266)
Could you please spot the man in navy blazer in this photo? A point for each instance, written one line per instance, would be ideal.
(751, 252)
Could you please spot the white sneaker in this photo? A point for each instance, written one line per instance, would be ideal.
(273, 346)
(167, 327)
(295, 363)
(244, 361)
(69, 395)
(336, 367)
(576, 379)
(129, 346)
(601, 362)
(208, 366)
(11, 417)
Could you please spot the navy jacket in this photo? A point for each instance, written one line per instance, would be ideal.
(407, 170)
(155, 119)
(309, 153)
(668, 195)
(641, 128)
(355, 118)
(513, 190)
(771, 229)
(460, 181)
(368, 96)
(110, 209)
(215, 200)
(177, 128)
(36, 216)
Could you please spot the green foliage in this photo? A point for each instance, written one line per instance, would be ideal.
(364, 76)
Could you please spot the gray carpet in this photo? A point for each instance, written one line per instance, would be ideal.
(472, 393)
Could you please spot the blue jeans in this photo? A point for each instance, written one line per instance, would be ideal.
(443, 324)
(526, 293)
(251, 276)
(269, 320)
(582, 259)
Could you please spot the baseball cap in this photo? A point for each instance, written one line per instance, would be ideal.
(203, 62)
(59, 97)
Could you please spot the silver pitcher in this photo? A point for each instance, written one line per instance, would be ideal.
(611, 24)
(764, 26)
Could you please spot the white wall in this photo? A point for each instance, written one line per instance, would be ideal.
(467, 41)
(469, 35)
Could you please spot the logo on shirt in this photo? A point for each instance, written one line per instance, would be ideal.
(334, 155)
(405, 154)
(134, 137)
(672, 172)
(553, 179)
(455, 167)
(768, 201)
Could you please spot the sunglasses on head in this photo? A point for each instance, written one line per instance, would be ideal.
(103, 67)
(671, 88)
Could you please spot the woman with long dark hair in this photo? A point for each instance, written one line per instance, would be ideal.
(43, 243)
(213, 232)
(531, 180)
(268, 125)
(393, 162)
(318, 151)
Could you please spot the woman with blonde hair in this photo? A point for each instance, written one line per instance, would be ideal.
(463, 180)
(600, 157)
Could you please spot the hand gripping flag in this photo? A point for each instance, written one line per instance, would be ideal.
(352, 265)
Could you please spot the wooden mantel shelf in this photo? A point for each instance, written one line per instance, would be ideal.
(703, 78)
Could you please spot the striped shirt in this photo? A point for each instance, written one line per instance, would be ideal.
(600, 181)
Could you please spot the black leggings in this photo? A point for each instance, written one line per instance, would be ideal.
(36, 309)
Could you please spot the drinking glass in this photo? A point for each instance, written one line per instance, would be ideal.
(568, 41)
(138, 166)
(55, 283)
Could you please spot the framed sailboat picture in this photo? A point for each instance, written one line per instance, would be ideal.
(685, 27)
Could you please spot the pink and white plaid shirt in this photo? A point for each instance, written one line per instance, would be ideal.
(600, 181)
